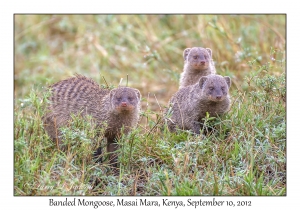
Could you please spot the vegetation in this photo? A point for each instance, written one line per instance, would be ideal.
(241, 153)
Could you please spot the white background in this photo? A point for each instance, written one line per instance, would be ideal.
(8, 8)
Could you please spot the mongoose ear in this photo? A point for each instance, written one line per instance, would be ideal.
(228, 81)
(209, 52)
(202, 81)
(138, 93)
(186, 52)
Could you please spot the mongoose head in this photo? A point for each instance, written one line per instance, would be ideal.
(197, 57)
(214, 87)
(124, 99)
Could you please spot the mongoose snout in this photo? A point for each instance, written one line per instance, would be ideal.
(216, 95)
(216, 98)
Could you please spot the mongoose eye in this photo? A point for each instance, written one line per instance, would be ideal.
(211, 88)
(195, 56)
(130, 98)
(222, 88)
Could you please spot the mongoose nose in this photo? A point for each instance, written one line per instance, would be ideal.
(202, 62)
(218, 97)
(123, 104)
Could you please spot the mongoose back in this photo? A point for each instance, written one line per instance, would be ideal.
(116, 108)
(197, 63)
(190, 104)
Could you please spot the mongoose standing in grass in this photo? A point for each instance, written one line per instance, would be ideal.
(190, 104)
(116, 108)
(197, 63)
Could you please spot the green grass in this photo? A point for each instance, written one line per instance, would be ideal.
(244, 155)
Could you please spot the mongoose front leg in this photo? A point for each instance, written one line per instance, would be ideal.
(97, 156)
(196, 127)
(113, 157)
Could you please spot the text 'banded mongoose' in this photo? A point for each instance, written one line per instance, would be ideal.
(190, 104)
(116, 108)
(197, 63)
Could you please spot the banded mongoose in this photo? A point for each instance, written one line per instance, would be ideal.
(197, 63)
(190, 104)
(117, 108)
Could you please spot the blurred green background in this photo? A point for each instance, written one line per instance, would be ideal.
(148, 48)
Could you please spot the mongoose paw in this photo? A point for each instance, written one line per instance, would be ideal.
(97, 156)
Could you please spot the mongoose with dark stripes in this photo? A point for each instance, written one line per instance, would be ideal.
(116, 108)
(197, 63)
(190, 104)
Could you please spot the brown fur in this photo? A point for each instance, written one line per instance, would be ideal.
(197, 63)
(190, 104)
(117, 108)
